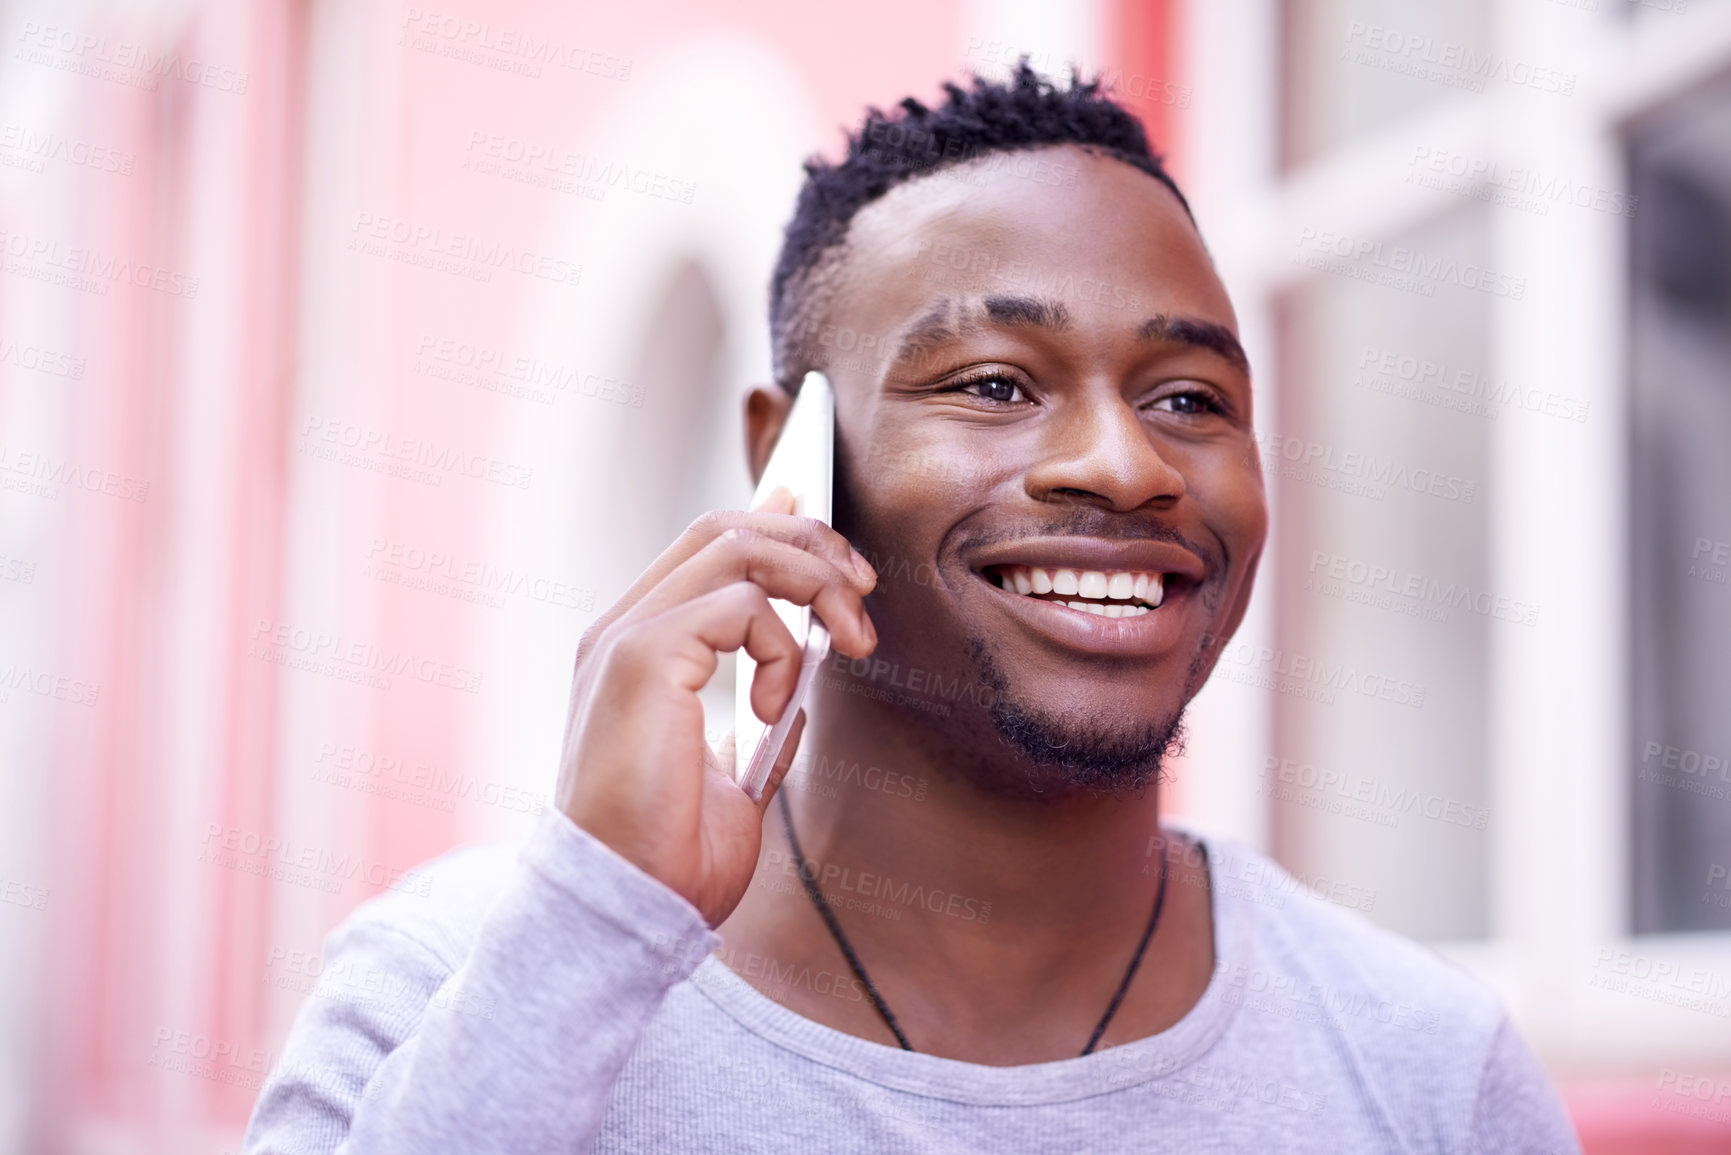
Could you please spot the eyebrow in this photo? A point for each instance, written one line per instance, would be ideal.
(938, 326)
(1036, 311)
(1199, 334)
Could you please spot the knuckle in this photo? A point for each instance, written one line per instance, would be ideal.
(712, 522)
(740, 537)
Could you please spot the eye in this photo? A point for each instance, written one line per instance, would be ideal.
(996, 388)
(1188, 403)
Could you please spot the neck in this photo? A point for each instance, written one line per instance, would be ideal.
(995, 920)
(876, 796)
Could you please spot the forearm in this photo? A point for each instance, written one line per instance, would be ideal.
(518, 1048)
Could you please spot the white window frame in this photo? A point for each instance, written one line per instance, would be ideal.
(1559, 721)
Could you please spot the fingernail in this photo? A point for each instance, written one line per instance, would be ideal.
(870, 630)
(778, 498)
(864, 569)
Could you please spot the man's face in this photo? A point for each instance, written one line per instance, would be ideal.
(1057, 412)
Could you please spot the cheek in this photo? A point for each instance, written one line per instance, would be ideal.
(1229, 488)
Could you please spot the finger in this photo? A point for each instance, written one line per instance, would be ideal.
(684, 641)
(805, 532)
(783, 762)
(782, 571)
(778, 500)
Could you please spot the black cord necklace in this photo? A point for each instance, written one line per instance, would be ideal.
(818, 900)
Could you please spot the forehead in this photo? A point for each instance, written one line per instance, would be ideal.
(1107, 240)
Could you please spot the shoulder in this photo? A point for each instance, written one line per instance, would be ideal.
(1416, 1040)
(438, 913)
(1324, 936)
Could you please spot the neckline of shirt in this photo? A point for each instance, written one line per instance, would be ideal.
(977, 1084)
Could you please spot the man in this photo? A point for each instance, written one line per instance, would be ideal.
(965, 929)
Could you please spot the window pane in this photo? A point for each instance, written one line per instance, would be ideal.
(1377, 790)
(1681, 511)
(1352, 67)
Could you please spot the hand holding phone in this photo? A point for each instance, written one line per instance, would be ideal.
(804, 463)
(637, 771)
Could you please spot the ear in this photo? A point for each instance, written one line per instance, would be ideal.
(766, 410)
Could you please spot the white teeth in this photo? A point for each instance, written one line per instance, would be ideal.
(1135, 593)
(1108, 610)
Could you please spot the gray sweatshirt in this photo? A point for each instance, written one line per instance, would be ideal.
(552, 998)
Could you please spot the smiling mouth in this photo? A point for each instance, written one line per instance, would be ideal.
(1108, 594)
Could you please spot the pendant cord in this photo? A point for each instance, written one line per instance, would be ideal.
(829, 919)
(822, 905)
(1136, 959)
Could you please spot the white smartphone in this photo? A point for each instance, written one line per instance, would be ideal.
(804, 461)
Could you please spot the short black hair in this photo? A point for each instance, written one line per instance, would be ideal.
(1024, 111)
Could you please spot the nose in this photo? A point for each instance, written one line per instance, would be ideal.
(1097, 449)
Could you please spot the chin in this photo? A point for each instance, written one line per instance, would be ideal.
(1067, 752)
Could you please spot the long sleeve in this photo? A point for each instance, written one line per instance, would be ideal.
(512, 1046)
